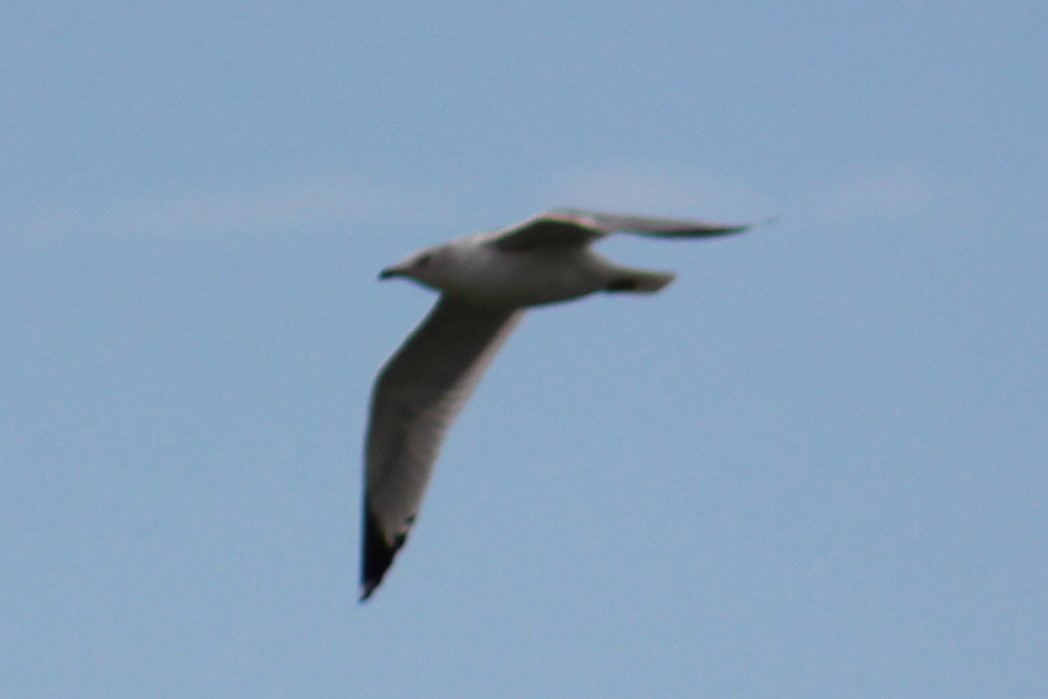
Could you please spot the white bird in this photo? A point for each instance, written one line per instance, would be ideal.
(486, 282)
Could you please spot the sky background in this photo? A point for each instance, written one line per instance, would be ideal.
(815, 466)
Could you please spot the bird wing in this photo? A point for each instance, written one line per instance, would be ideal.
(575, 228)
(418, 393)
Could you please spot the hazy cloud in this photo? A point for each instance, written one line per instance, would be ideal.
(277, 207)
(888, 193)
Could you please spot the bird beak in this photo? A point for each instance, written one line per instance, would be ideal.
(390, 272)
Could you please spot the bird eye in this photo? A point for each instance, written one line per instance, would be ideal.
(423, 261)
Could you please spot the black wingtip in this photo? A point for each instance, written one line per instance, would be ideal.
(377, 557)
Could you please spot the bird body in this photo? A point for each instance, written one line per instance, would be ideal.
(486, 281)
(472, 269)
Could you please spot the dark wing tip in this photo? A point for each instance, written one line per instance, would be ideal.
(378, 555)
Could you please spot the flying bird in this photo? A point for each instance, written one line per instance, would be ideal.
(486, 282)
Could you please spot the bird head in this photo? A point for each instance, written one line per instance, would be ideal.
(426, 267)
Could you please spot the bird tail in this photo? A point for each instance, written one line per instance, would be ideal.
(640, 281)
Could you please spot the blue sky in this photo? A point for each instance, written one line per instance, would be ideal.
(813, 466)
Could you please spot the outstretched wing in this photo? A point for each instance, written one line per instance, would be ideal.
(575, 228)
(416, 396)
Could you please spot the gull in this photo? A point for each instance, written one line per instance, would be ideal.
(486, 282)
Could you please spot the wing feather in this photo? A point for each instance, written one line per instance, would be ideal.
(577, 228)
(418, 393)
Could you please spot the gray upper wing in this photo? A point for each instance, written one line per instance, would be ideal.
(576, 228)
(418, 393)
